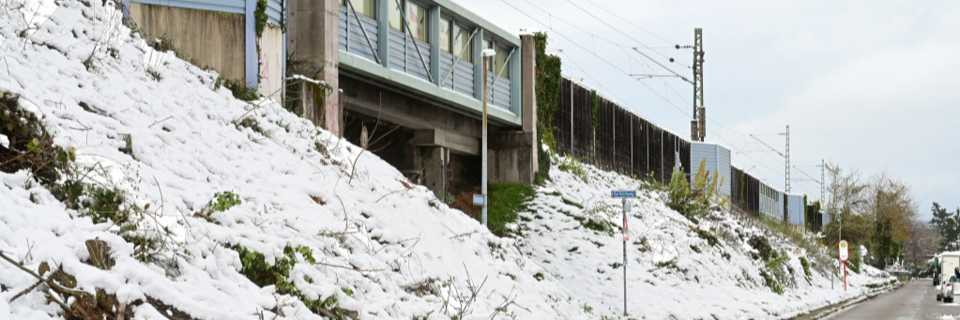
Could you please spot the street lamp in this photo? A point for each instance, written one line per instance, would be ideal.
(487, 53)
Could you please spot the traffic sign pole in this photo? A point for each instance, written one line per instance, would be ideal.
(843, 253)
(626, 236)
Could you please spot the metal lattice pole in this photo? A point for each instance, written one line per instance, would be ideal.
(786, 169)
(700, 133)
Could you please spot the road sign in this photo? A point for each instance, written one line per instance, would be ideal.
(478, 200)
(364, 137)
(623, 194)
(844, 250)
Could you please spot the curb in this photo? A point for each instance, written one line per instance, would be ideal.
(853, 301)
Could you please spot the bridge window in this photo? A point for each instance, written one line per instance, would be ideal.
(396, 15)
(418, 19)
(445, 34)
(461, 43)
(501, 62)
(364, 7)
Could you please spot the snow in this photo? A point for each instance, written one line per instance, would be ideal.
(4, 141)
(666, 275)
(371, 234)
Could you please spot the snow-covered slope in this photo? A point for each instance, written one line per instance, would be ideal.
(373, 245)
(672, 270)
(373, 238)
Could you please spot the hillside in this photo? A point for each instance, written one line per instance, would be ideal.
(152, 193)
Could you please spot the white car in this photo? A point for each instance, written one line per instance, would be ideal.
(947, 288)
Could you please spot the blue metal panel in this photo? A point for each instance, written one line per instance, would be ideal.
(414, 64)
(771, 202)
(251, 59)
(232, 6)
(343, 29)
(723, 167)
(700, 152)
(515, 78)
(435, 48)
(398, 52)
(356, 40)
(478, 64)
(501, 93)
(274, 11)
(445, 62)
(796, 209)
(463, 80)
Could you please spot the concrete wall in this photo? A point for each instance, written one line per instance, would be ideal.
(209, 39)
(450, 129)
(312, 41)
(271, 63)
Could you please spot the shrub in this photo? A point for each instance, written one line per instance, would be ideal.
(575, 167)
(222, 201)
(30, 145)
(506, 200)
(690, 200)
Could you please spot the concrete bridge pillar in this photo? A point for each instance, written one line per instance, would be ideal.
(313, 44)
(514, 155)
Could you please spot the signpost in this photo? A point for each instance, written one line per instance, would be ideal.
(478, 200)
(624, 195)
(844, 255)
(364, 138)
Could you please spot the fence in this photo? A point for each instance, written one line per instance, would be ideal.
(621, 141)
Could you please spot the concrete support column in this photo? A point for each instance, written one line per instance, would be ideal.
(434, 161)
(514, 157)
(313, 31)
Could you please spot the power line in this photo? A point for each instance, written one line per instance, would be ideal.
(593, 52)
(631, 23)
(612, 27)
(615, 67)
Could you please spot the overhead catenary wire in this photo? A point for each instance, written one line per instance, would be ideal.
(631, 23)
(594, 54)
(612, 27)
(654, 91)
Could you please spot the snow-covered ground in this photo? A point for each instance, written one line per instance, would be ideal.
(671, 270)
(381, 248)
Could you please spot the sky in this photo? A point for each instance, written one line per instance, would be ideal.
(865, 85)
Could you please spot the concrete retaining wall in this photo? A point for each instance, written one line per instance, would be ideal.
(207, 38)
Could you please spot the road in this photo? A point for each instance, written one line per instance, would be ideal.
(915, 300)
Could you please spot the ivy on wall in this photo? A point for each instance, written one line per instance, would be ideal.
(260, 17)
(548, 81)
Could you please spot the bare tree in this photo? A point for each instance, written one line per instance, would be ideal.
(923, 241)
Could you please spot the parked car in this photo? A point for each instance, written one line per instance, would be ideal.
(947, 288)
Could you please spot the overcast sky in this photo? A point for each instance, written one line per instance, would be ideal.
(867, 85)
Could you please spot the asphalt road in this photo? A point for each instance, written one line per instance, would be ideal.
(915, 300)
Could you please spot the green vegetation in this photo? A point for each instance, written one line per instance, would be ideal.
(806, 269)
(31, 146)
(575, 167)
(255, 268)
(705, 235)
(855, 259)
(548, 83)
(691, 200)
(241, 91)
(222, 201)
(506, 200)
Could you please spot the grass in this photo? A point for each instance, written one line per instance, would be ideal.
(506, 200)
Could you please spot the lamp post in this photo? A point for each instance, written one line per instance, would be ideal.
(487, 53)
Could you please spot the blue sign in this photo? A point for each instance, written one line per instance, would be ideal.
(624, 193)
(478, 200)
